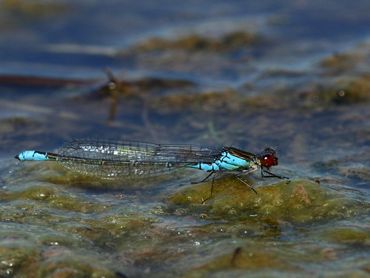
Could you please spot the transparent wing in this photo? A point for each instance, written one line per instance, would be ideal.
(125, 158)
(131, 151)
(108, 169)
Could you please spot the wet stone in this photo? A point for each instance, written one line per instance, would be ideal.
(297, 201)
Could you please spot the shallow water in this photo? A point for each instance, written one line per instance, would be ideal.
(292, 76)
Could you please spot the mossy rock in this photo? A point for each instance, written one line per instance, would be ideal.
(54, 198)
(298, 201)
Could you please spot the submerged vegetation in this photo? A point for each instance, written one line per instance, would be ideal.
(228, 42)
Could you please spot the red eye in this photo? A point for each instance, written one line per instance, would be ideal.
(268, 158)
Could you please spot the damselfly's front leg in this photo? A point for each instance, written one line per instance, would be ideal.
(247, 171)
(271, 175)
(247, 184)
(250, 170)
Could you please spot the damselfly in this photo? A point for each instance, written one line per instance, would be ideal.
(129, 158)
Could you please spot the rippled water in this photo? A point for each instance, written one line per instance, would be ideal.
(291, 75)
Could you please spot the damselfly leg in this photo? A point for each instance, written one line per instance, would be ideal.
(210, 195)
(247, 184)
(212, 173)
(271, 175)
(205, 179)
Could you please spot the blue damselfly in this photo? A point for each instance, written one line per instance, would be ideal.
(128, 158)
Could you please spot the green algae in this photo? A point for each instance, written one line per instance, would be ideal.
(344, 91)
(195, 42)
(33, 9)
(348, 235)
(298, 201)
(141, 87)
(356, 90)
(243, 258)
(187, 97)
(16, 256)
(10, 125)
(54, 198)
(20, 258)
(340, 62)
(113, 231)
(209, 101)
(229, 100)
(249, 229)
(251, 258)
(64, 263)
(254, 256)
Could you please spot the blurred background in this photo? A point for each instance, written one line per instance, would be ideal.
(294, 75)
(247, 74)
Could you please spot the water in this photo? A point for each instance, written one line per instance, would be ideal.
(290, 75)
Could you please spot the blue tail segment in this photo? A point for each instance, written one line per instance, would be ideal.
(32, 156)
(227, 161)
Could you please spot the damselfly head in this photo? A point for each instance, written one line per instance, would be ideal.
(268, 158)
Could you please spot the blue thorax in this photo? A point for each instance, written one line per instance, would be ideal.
(226, 162)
